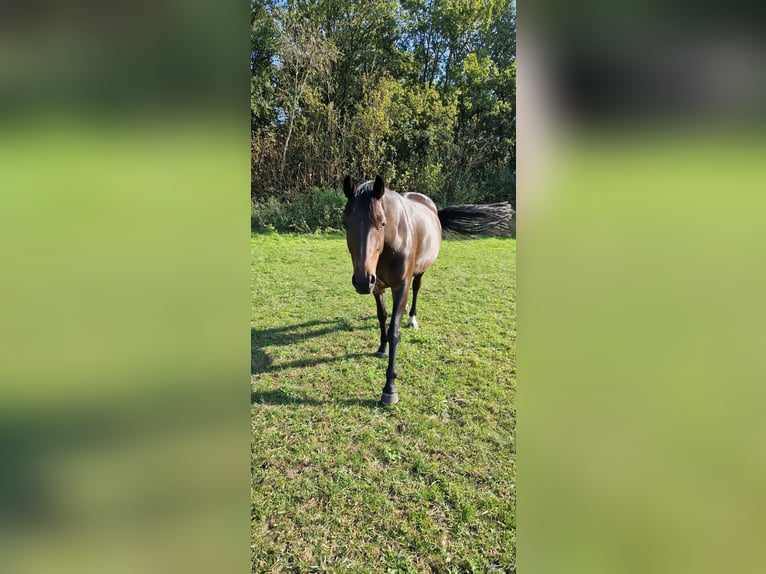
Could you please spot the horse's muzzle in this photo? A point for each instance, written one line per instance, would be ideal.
(363, 284)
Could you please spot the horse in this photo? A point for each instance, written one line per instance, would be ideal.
(393, 239)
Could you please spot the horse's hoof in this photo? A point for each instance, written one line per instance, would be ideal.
(380, 354)
(414, 322)
(389, 400)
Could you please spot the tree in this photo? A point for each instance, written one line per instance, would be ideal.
(262, 49)
(304, 57)
(422, 91)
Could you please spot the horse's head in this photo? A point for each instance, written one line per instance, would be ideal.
(364, 220)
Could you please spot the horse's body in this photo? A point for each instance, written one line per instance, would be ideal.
(412, 238)
(393, 239)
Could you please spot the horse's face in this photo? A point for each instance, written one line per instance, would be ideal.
(364, 220)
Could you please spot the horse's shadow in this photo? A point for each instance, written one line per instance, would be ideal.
(261, 362)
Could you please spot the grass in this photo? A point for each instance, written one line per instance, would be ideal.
(340, 484)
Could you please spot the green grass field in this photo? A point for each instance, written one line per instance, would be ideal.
(340, 484)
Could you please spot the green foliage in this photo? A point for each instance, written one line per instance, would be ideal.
(420, 91)
(374, 131)
(262, 48)
(268, 214)
(319, 209)
(327, 208)
(424, 123)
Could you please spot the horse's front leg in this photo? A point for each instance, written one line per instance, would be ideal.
(390, 395)
(380, 301)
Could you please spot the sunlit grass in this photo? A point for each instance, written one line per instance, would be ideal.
(341, 484)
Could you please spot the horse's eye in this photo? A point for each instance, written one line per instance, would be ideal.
(383, 224)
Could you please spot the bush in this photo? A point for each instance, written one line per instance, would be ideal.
(321, 209)
(268, 215)
(327, 204)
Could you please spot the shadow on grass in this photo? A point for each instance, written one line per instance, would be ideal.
(260, 361)
(300, 363)
(281, 397)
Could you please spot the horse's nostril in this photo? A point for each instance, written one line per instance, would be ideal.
(372, 279)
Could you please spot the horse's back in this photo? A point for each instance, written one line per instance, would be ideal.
(424, 217)
(421, 199)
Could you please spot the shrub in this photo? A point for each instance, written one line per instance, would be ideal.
(327, 204)
(268, 214)
(320, 209)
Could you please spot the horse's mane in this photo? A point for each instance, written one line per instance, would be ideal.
(366, 188)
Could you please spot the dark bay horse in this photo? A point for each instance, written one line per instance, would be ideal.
(393, 239)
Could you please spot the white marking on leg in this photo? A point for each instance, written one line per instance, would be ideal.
(413, 322)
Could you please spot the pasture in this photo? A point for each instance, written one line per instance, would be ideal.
(340, 484)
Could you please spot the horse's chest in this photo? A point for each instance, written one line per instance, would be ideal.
(391, 269)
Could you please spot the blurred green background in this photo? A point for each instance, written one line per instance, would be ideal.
(640, 293)
(123, 417)
(641, 374)
(124, 293)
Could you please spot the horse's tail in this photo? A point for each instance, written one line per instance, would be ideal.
(475, 219)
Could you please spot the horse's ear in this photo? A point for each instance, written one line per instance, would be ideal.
(348, 187)
(379, 188)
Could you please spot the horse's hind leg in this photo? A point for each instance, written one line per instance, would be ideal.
(415, 289)
(380, 302)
